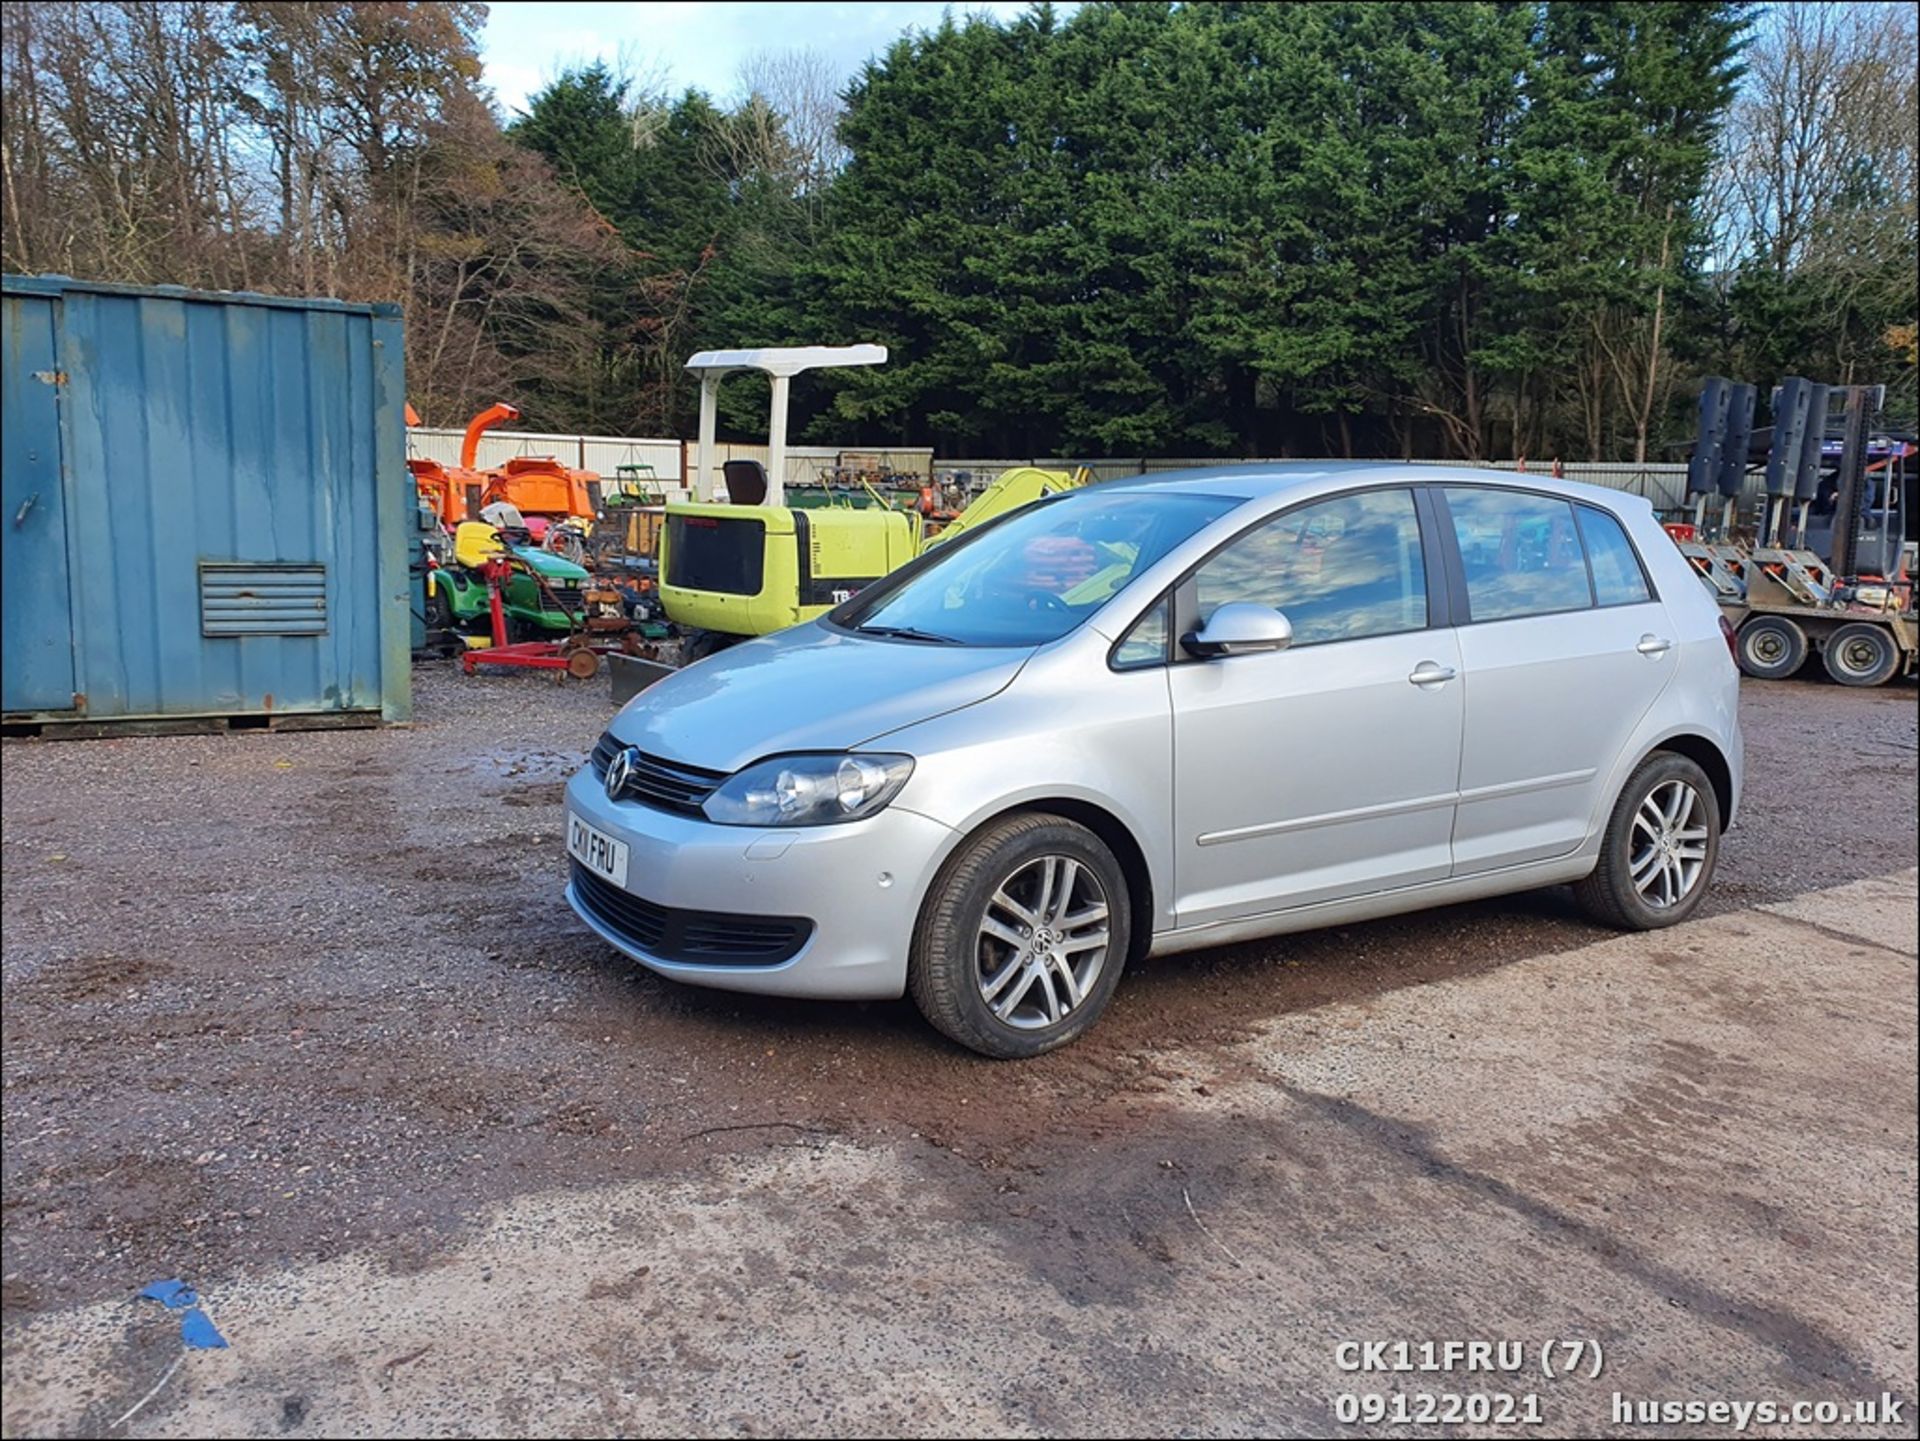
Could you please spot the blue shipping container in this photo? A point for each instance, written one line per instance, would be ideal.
(205, 508)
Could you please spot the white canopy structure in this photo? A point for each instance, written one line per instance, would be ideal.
(782, 363)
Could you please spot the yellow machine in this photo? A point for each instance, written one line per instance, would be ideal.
(732, 571)
(751, 565)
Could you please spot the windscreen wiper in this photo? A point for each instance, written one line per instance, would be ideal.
(907, 632)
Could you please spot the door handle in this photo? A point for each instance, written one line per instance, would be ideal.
(20, 515)
(1653, 645)
(1427, 673)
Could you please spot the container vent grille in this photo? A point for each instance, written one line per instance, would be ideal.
(239, 598)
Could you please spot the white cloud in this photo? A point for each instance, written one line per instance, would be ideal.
(693, 42)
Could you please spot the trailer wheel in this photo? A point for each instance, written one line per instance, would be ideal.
(1771, 647)
(1862, 654)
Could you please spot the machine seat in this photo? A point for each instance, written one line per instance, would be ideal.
(475, 543)
(746, 482)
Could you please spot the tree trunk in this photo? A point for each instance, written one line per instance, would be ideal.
(1644, 420)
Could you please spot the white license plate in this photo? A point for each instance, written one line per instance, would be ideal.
(597, 851)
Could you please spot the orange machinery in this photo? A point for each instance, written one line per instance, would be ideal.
(536, 485)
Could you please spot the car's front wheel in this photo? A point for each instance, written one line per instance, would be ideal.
(1022, 937)
(1660, 849)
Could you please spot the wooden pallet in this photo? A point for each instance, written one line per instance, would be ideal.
(80, 729)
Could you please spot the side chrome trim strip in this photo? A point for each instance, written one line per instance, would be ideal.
(1395, 808)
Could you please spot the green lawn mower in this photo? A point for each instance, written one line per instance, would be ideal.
(545, 598)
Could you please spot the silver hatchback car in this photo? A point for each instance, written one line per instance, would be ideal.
(1165, 713)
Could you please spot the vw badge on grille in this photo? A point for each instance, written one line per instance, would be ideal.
(618, 769)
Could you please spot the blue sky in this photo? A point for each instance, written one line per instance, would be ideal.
(695, 42)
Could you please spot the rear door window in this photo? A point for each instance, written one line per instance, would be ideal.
(1520, 552)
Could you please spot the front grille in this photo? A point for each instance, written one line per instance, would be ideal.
(560, 600)
(664, 785)
(704, 938)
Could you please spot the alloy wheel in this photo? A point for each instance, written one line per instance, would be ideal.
(1669, 844)
(1042, 942)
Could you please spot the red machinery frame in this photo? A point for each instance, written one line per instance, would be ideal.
(577, 656)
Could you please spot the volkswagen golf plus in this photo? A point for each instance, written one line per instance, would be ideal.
(1158, 714)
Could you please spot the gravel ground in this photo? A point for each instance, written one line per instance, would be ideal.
(271, 999)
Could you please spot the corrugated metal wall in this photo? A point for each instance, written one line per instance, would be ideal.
(195, 433)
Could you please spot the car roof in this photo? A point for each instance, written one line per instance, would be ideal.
(1256, 480)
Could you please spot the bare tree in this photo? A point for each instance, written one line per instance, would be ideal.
(801, 89)
(119, 142)
(1825, 121)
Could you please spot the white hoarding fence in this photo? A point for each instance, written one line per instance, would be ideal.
(1665, 484)
(671, 461)
(1662, 483)
(604, 455)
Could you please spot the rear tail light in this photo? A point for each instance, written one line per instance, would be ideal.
(1733, 641)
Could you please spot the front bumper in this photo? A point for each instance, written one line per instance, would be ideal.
(860, 884)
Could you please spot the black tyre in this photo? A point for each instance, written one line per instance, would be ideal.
(1771, 647)
(1661, 846)
(1861, 654)
(700, 644)
(443, 634)
(1022, 937)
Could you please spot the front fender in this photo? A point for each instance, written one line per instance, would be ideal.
(1028, 746)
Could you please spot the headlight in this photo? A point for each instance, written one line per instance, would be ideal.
(808, 790)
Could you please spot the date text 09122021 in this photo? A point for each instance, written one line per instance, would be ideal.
(1438, 1408)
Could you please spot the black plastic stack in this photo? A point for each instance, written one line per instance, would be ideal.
(1790, 406)
(1733, 456)
(1703, 466)
(1806, 483)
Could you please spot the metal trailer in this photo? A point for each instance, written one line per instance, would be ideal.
(1775, 631)
(1847, 595)
(206, 512)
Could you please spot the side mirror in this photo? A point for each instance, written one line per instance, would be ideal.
(1240, 628)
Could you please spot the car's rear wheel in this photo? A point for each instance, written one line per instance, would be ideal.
(1861, 654)
(1022, 937)
(1660, 849)
(1771, 647)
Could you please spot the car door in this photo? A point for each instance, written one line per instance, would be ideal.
(1564, 646)
(1326, 769)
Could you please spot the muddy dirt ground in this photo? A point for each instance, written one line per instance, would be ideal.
(272, 1000)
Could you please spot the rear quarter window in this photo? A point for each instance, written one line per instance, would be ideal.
(1618, 577)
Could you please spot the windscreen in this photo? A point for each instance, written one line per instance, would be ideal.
(1037, 574)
